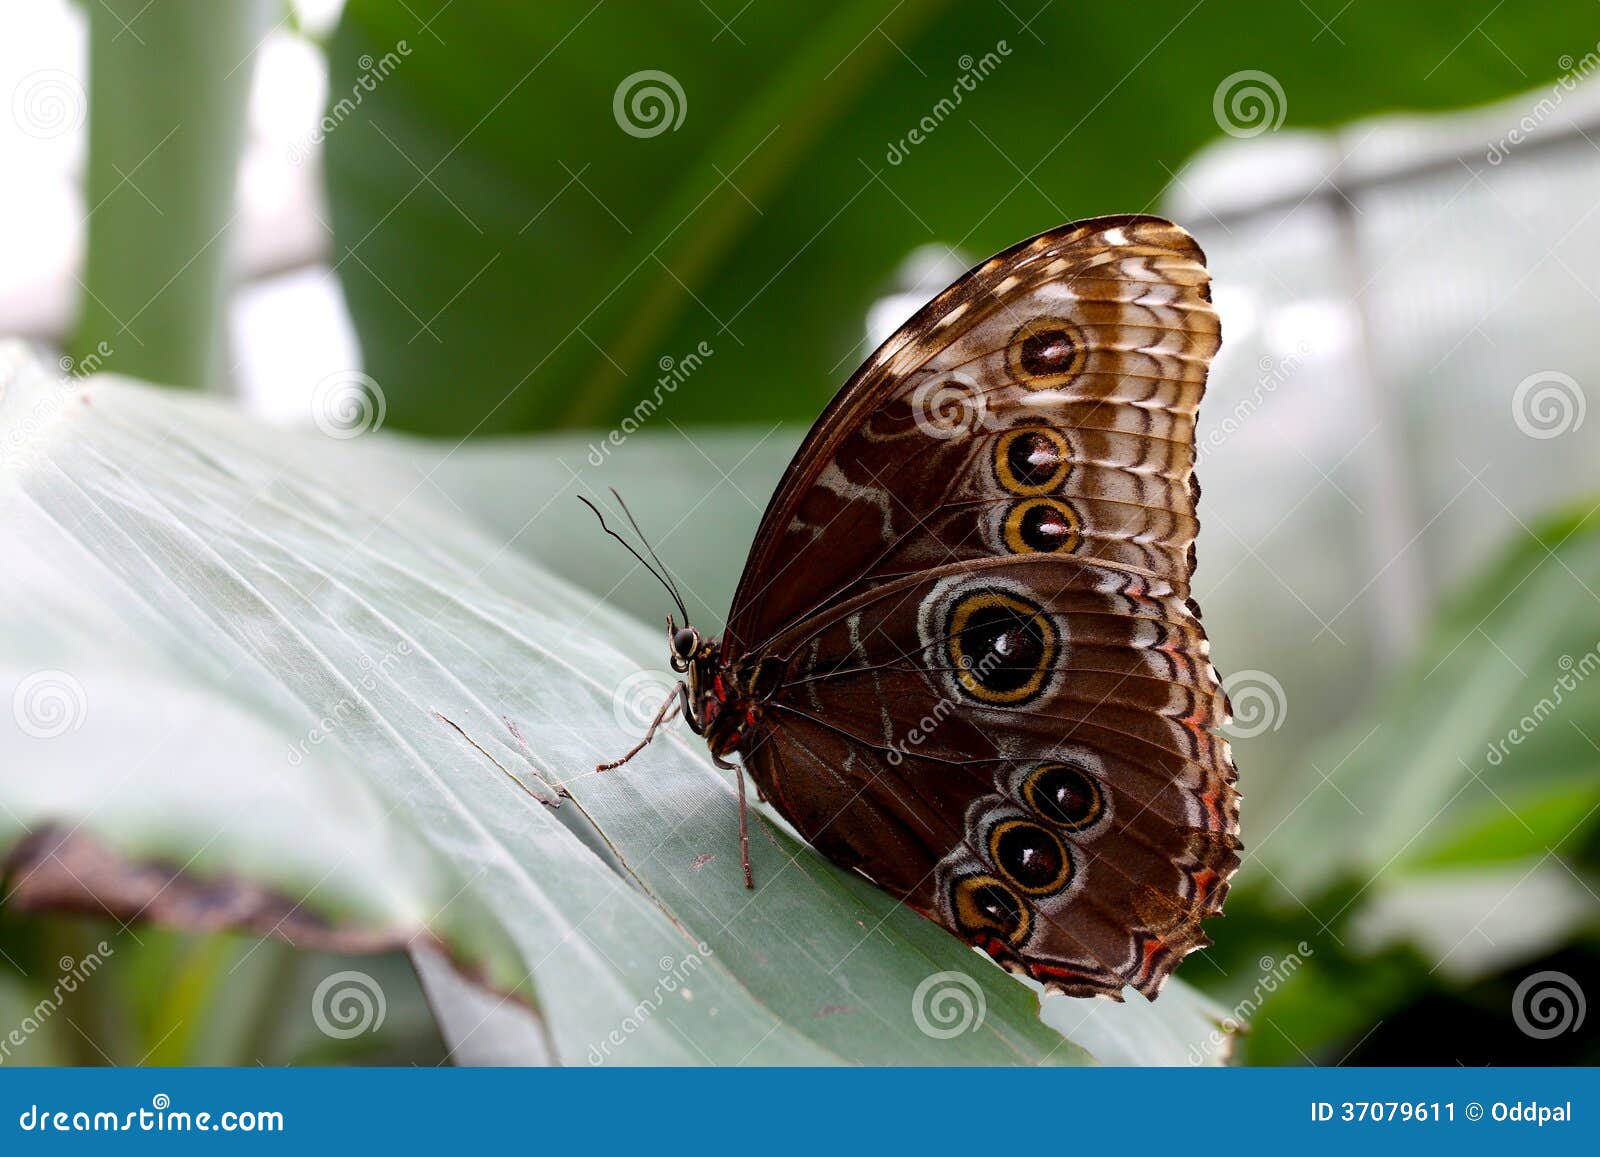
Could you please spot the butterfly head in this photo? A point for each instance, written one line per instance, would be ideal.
(686, 645)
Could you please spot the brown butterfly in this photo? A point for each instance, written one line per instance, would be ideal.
(963, 659)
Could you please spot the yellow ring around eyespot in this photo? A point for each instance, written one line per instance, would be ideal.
(962, 615)
(1036, 327)
(1002, 460)
(1062, 878)
(971, 918)
(1030, 787)
(1013, 526)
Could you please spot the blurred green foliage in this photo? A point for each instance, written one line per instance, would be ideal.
(514, 260)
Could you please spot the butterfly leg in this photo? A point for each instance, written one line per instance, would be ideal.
(669, 709)
(744, 823)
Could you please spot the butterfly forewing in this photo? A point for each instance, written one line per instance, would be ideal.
(996, 697)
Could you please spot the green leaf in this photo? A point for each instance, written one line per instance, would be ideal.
(515, 259)
(338, 711)
(1485, 751)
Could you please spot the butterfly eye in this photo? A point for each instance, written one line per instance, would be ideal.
(685, 642)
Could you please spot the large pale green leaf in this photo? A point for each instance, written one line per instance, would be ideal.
(282, 666)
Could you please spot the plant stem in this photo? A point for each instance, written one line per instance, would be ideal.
(167, 89)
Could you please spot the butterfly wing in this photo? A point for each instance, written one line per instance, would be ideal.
(996, 697)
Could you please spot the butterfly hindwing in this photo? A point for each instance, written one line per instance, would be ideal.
(1072, 703)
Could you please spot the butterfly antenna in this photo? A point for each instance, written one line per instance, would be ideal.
(644, 562)
(635, 524)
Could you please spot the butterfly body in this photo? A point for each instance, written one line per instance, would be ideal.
(963, 659)
(721, 699)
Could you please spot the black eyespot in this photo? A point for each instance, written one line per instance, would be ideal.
(1031, 857)
(1003, 646)
(983, 904)
(1031, 460)
(1048, 352)
(1042, 526)
(1064, 795)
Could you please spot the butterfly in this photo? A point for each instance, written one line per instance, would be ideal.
(963, 659)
